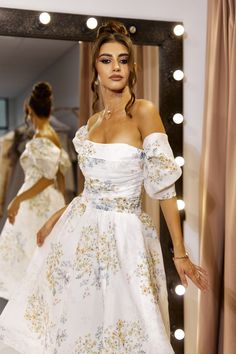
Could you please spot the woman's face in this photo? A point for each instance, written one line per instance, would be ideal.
(112, 66)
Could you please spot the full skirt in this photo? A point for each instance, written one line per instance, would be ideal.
(96, 286)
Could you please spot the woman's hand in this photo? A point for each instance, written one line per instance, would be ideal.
(197, 274)
(44, 232)
(13, 210)
(48, 226)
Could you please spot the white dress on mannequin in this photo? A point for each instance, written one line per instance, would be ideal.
(98, 283)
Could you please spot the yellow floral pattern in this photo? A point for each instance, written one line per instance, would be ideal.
(57, 269)
(146, 272)
(126, 337)
(96, 257)
(98, 285)
(37, 315)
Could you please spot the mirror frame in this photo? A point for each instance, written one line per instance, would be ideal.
(72, 27)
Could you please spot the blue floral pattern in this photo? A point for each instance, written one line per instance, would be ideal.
(98, 284)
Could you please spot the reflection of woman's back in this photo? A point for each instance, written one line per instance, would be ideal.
(43, 162)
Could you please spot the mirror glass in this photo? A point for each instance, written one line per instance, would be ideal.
(25, 61)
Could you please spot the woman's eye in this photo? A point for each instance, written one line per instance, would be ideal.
(105, 61)
(124, 61)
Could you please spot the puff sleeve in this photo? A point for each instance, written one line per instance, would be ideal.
(45, 155)
(160, 169)
(79, 138)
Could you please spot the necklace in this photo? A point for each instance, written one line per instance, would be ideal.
(106, 114)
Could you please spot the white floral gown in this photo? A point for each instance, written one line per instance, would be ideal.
(98, 286)
(41, 158)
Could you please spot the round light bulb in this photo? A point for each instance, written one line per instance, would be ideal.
(179, 334)
(178, 30)
(178, 118)
(132, 29)
(179, 160)
(180, 204)
(44, 18)
(92, 23)
(178, 75)
(180, 290)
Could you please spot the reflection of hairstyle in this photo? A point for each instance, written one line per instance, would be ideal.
(113, 32)
(41, 99)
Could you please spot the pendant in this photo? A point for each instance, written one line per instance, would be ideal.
(107, 114)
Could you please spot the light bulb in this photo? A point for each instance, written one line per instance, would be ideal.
(132, 29)
(179, 160)
(178, 30)
(178, 118)
(179, 334)
(44, 18)
(180, 204)
(178, 75)
(180, 290)
(92, 23)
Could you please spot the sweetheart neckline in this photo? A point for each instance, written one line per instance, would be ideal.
(126, 144)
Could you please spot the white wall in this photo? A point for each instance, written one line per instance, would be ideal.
(63, 75)
(193, 14)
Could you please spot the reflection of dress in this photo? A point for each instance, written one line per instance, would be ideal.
(41, 158)
(98, 283)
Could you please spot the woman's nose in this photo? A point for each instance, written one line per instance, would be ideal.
(116, 66)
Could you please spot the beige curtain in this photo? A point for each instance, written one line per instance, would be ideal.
(147, 60)
(217, 310)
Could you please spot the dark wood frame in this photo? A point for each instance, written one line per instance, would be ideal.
(64, 26)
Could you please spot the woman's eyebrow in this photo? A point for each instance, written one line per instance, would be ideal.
(110, 55)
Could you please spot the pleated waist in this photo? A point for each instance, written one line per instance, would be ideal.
(116, 204)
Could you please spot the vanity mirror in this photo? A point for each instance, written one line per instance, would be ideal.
(66, 31)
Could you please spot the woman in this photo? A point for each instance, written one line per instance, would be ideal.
(97, 283)
(44, 163)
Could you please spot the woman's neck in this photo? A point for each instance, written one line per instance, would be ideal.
(42, 124)
(115, 102)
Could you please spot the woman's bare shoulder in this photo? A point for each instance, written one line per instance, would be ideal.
(50, 135)
(148, 118)
(92, 120)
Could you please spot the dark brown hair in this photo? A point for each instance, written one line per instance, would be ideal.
(40, 99)
(113, 32)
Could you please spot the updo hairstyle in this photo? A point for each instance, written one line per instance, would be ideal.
(113, 31)
(40, 99)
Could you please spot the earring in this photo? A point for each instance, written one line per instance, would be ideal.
(96, 82)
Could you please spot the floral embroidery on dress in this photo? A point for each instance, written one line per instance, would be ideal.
(11, 247)
(85, 153)
(77, 208)
(57, 269)
(160, 167)
(95, 185)
(119, 204)
(96, 257)
(124, 337)
(61, 335)
(37, 316)
(40, 204)
(147, 271)
(147, 222)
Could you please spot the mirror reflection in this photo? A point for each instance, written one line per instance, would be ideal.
(147, 88)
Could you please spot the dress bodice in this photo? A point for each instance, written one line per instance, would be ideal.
(115, 173)
(42, 158)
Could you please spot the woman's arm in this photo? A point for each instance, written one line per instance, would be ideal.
(182, 262)
(171, 214)
(61, 182)
(48, 226)
(28, 194)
